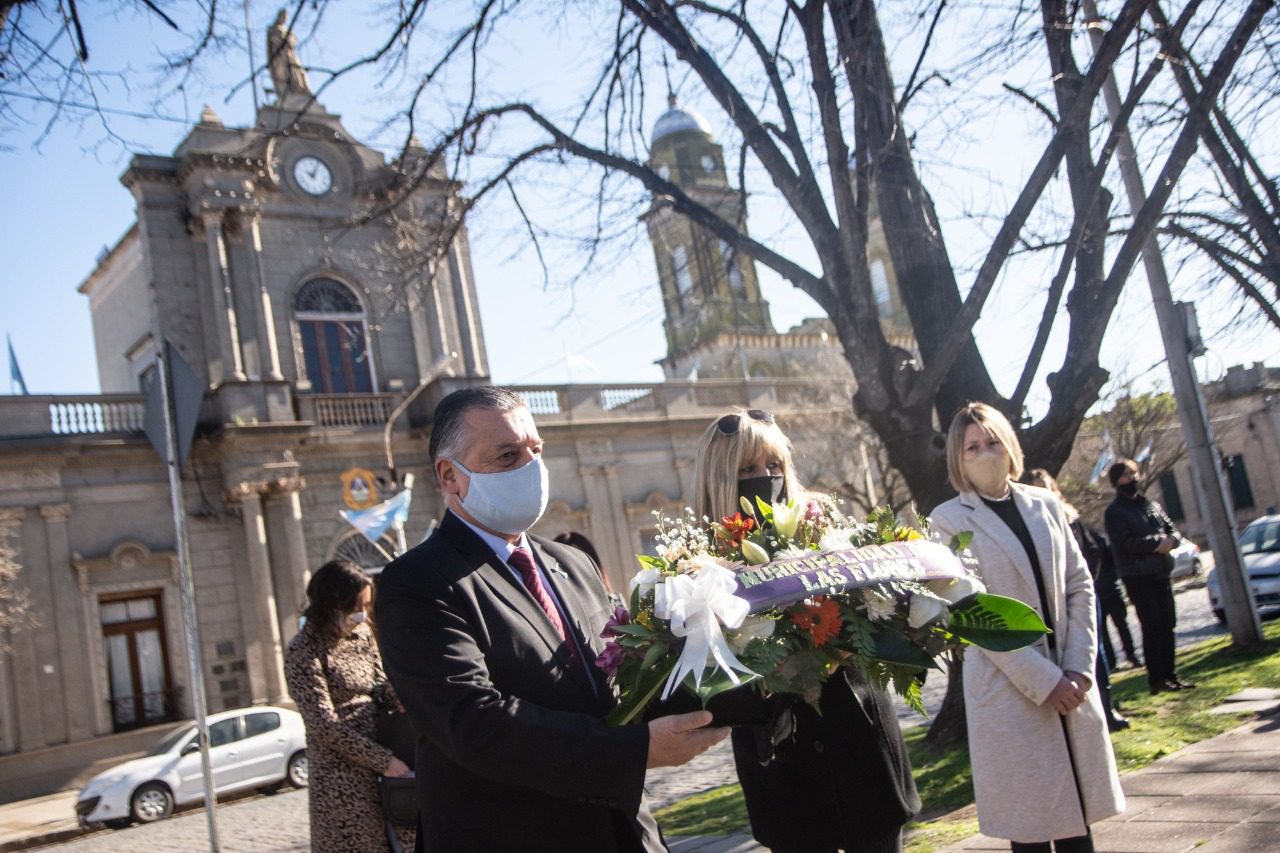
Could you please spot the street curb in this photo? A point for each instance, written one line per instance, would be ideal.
(55, 836)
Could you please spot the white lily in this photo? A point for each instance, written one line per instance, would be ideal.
(786, 518)
(925, 608)
(753, 553)
(954, 589)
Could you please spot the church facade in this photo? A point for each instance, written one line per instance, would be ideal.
(311, 313)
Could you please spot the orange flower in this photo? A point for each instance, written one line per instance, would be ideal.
(819, 616)
(736, 527)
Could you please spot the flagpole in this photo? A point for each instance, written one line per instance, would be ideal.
(186, 589)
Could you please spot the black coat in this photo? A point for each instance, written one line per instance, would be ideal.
(1136, 526)
(512, 753)
(843, 779)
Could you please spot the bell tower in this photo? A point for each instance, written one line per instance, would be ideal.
(708, 288)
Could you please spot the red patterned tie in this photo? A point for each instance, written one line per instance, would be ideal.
(521, 560)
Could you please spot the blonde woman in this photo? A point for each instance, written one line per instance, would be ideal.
(1043, 769)
(839, 779)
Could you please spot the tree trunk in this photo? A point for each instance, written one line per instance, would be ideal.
(950, 726)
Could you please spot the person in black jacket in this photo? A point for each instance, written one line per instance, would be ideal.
(1141, 538)
(814, 780)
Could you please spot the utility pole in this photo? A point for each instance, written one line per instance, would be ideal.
(1206, 476)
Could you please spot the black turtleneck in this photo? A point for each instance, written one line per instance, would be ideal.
(1007, 510)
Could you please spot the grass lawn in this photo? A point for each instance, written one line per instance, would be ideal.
(1162, 724)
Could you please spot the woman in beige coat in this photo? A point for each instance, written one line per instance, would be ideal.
(1043, 769)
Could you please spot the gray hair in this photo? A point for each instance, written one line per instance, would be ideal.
(448, 438)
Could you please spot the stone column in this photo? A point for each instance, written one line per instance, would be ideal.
(595, 487)
(268, 349)
(290, 568)
(263, 652)
(69, 624)
(223, 299)
(10, 525)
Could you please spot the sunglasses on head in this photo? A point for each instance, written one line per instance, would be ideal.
(729, 424)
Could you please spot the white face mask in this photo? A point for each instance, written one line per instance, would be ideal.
(989, 472)
(355, 618)
(508, 501)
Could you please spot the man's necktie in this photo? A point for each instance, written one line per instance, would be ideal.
(522, 561)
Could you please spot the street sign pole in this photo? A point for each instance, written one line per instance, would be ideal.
(186, 589)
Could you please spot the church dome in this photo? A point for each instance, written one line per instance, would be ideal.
(675, 120)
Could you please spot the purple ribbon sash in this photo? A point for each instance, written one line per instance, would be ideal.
(783, 582)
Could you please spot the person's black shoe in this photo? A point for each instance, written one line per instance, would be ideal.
(1117, 724)
(1179, 684)
(1159, 687)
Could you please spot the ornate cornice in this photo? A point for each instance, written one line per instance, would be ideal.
(267, 487)
(12, 516)
(55, 512)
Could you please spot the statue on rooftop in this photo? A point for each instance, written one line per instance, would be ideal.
(287, 74)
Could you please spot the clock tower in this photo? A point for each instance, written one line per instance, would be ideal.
(709, 289)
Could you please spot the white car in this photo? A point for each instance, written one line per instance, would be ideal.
(1186, 559)
(1260, 548)
(248, 748)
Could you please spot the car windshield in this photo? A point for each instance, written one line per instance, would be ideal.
(170, 740)
(1260, 537)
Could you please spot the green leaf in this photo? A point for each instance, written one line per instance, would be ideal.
(654, 654)
(961, 540)
(634, 629)
(894, 648)
(995, 622)
(649, 561)
(647, 688)
(715, 683)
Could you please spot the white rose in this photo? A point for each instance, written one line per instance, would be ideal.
(954, 589)
(752, 628)
(879, 607)
(694, 563)
(834, 540)
(646, 580)
(925, 608)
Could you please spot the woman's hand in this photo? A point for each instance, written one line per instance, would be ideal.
(397, 769)
(1066, 696)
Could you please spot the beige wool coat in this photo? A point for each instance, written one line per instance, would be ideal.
(1022, 768)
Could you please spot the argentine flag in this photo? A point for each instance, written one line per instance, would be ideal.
(377, 520)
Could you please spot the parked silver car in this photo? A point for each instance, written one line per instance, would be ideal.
(1260, 547)
(1186, 559)
(248, 748)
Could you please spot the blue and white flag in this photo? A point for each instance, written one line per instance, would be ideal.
(1144, 455)
(1105, 458)
(377, 520)
(15, 372)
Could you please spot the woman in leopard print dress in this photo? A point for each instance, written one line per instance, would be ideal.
(332, 666)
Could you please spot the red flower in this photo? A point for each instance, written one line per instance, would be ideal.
(736, 527)
(819, 616)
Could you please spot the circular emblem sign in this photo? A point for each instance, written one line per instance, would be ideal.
(359, 488)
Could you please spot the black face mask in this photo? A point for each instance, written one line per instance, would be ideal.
(769, 489)
(1129, 489)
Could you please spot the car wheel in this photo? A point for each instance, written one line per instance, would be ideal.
(1221, 616)
(151, 802)
(296, 770)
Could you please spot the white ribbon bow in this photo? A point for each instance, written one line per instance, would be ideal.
(696, 605)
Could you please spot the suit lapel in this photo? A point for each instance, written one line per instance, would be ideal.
(501, 581)
(575, 612)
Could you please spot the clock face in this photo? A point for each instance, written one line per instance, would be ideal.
(312, 175)
(664, 172)
(708, 163)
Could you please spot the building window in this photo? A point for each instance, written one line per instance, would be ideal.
(729, 257)
(880, 287)
(334, 336)
(357, 548)
(1238, 477)
(1172, 499)
(680, 270)
(137, 661)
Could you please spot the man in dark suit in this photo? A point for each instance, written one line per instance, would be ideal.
(489, 637)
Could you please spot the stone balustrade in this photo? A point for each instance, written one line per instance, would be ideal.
(552, 405)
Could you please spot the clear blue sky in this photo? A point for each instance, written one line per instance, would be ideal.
(65, 205)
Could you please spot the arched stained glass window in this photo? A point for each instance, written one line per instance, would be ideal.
(334, 336)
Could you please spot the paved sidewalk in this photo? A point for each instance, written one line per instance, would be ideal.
(1217, 796)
